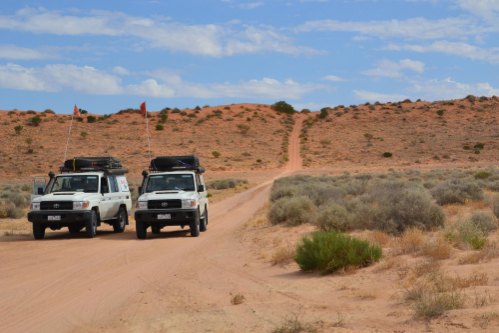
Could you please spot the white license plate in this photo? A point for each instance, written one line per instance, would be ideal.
(54, 218)
(164, 216)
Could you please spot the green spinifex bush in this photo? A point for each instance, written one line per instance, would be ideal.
(482, 175)
(330, 251)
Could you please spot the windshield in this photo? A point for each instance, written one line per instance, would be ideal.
(76, 184)
(170, 182)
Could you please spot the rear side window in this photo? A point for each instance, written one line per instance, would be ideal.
(113, 184)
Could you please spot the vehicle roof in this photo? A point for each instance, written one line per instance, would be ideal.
(93, 173)
(174, 172)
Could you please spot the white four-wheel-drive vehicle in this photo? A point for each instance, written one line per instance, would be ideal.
(87, 192)
(173, 194)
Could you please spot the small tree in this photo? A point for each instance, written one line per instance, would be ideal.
(160, 127)
(243, 128)
(282, 106)
(36, 121)
(83, 111)
(216, 154)
(387, 154)
(440, 112)
(368, 137)
(164, 118)
(324, 113)
(91, 119)
(18, 129)
(80, 119)
(84, 134)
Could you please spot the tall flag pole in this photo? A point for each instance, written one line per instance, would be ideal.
(76, 112)
(144, 111)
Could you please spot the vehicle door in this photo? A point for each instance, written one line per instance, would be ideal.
(116, 196)
(203, 195)
(106, 206)
(124, 191)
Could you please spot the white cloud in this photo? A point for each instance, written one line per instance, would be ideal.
(448, 89)
(414, 28)
(369, 96)
(388, 68)
(161, 83)
(251, 5)
(121, 71)
(8, 51)
(209, 39)
(333, 78)
(454, 48)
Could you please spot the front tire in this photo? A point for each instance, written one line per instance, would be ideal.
(204, 221)
(91, 225)
(38, 230)
(141, 230)
(120, 223)
(194, 225)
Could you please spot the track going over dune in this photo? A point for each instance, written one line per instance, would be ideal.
(114, 282)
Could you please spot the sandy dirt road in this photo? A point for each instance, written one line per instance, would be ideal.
(114, 282)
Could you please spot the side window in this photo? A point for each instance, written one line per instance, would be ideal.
(113, 184)
(104, 186)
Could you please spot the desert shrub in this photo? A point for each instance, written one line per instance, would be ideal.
(279, 192)
(330, 251)
(183, 113)
(243, 128)
(305, 111)
(200, 121)
(464, 231)
(479, 146)
(84, 134)
(49, 111)
(387, 154)
(163, 117)
(456, 191)
(20, 200)
(216, 154)
(91, 119)
(482, 175)
(160, 127)
(222, 184)
(35, 121)
(440, 112)
(294, 211)
(334, 217)
(324, 113)
(176, 110)
(284, 107)
(80, 119)
(8, 209)
(484, 221)
(18, 129)
(26, 188)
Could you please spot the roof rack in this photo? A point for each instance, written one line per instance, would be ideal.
(109, 172)
(110, 165)
(175, 163)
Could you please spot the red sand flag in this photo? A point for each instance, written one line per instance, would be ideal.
(143, 108)
(76, 112)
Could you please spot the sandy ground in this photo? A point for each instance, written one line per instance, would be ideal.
(174, 283)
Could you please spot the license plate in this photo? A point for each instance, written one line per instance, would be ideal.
(54, 218)
(164, 216)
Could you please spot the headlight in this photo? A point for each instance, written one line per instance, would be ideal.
(188, 203)
(34, 206)
(141, 205)
(80, 204)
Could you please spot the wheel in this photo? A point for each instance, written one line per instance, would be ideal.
(204, 221)
(38, 230)
(194, 225)
(91, 225)
(120, 223)
(74, 229)
(155, 229)
(141, 230)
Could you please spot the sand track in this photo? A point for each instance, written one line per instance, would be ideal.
(169, 282)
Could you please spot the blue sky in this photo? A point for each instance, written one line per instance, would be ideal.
(110, 55)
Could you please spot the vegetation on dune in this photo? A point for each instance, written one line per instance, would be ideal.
(284, 107)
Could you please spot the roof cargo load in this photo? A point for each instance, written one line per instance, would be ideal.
(174, 163)
(92, 164)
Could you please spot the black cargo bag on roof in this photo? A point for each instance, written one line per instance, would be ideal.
(88, 162)
(163, 162)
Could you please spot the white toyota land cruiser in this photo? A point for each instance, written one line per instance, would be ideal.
(174, 194)
(89, 191)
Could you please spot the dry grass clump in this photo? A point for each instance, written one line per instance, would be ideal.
(293, 324)
(388, 263)
(409, 242)
(9, 209)
(483, 320)
(283, 255)
(425, 267)
(237, 299)
(490, 251)
(452, 209)
(376, 237)
(438, 249)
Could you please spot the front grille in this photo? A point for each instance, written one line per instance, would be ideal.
(56, 205)
(160, 204)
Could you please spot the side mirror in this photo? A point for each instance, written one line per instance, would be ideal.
(140, 190)
(201, 188)
(40, 190)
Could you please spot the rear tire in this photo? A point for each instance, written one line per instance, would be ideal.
(141, 230)
(91, 225)
(155, 229)
(120, 223)
(194, 225)
(38, 230)
(74, 229)
(204, 221)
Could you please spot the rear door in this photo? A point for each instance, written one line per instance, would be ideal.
(115, 195)
(203, 196)
(106, 208)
